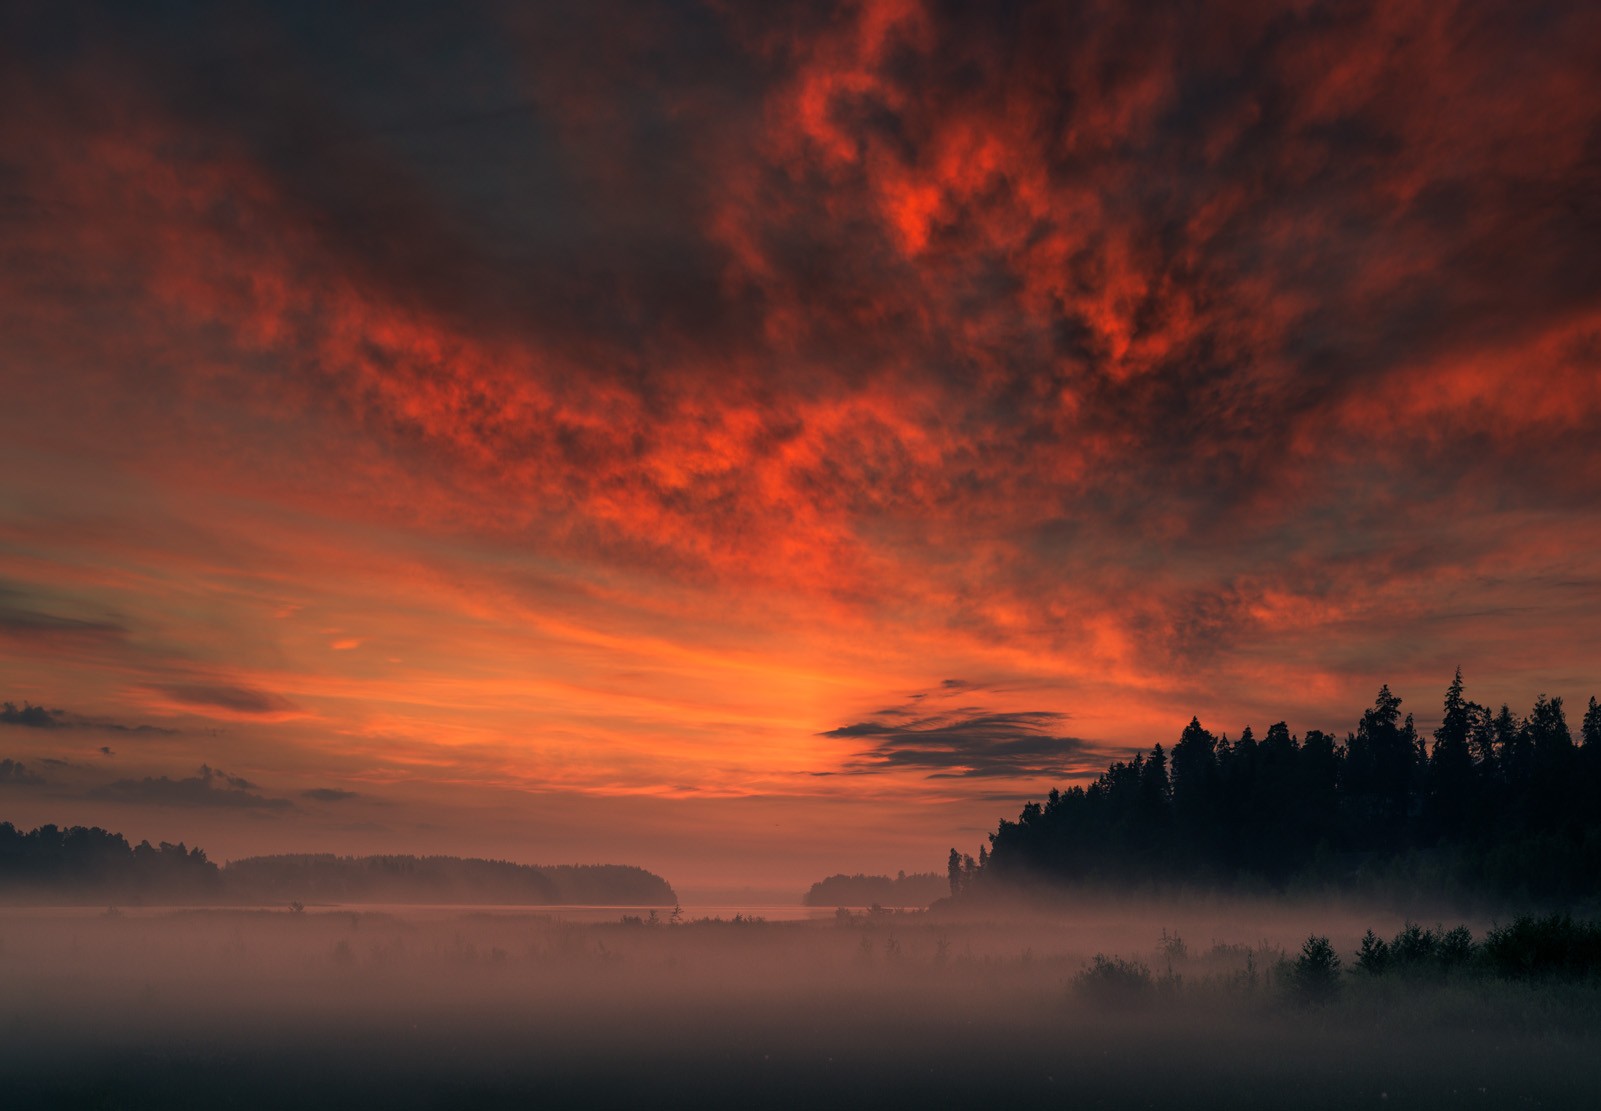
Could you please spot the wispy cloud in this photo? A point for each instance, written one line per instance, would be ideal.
(963, 741)
(209, 788)
(247, 701)
(14, 773)
(329, 794)
(28, 625)
(38, 717)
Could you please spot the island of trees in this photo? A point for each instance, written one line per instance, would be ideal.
(899, 890)
(89, 864)
(1494, 805)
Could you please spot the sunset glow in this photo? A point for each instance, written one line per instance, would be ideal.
(759, 441)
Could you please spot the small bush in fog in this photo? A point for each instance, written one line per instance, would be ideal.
(1114, 981)
(1314, 977)
(1172, 946)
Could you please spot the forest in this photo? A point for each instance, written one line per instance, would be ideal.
(1493, 806)
(52, 864)
(90, 860)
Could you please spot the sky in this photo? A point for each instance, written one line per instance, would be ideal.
(761, 441)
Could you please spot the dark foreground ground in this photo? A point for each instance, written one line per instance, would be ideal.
(517, 1009)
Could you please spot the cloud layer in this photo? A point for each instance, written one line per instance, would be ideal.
(207, 788)
(611, 398)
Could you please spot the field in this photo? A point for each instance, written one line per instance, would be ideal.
(512, 1008)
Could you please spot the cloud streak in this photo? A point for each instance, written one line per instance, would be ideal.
(14, 773)
(208, 789)
(963, 741)
(30, 716)
(968, 744)
(231, 699)
(329, 794)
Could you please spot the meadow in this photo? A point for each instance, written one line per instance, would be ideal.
(1118, 1004)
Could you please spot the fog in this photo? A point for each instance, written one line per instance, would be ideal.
(451, 1007)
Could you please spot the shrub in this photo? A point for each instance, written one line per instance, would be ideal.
(1114, 981)
(1172, 946)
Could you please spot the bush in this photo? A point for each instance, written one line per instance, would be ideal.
(1114, 981)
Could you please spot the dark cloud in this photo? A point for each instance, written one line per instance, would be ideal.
(14, 773)
(208, 788)
(328, 794)
(37, 717)
(23, 621)
(119, 727)
(239, 700)
(967, 742)
(32, 625)
(34, 717)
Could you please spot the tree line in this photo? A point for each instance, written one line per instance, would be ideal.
(89, 863)
(84, 858)
(1493, 804)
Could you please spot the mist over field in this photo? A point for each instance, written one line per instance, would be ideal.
(463, 1007)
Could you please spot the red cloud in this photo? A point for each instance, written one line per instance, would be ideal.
(1100, 340)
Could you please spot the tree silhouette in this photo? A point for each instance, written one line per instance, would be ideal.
(1495, 804)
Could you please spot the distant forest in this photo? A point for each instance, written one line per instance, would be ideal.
(1493, 805)
(900, 890)
(90, 864)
